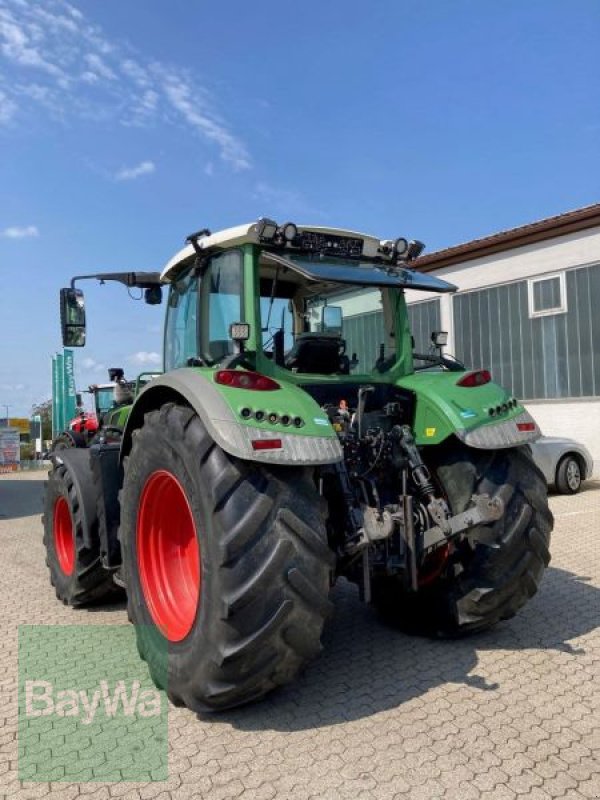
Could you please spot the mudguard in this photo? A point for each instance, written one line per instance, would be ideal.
(485, 417)
(222, 408)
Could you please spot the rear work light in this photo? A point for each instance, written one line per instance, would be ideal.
(476, 378)
(267, 444)
(242, 379)
(526, 426)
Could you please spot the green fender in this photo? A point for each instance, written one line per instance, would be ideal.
(486, 417)
(221, 410)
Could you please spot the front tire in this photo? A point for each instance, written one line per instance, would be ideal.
(76, 571)
(499, 566)
(242, 554)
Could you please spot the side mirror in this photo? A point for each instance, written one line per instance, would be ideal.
(72, 317)
(331, 319)
(439, 338)
(153, 295)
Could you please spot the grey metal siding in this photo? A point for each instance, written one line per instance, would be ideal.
(424, 318)
(364, 333)
(544, 357)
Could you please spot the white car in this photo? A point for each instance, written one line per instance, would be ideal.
(564, 462)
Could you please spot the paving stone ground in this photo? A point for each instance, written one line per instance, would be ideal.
(512, 713)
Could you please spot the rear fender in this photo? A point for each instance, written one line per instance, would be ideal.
(485, 417)
(217, 406)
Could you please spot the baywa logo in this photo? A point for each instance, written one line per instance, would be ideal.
(88, 709)
(42, 701)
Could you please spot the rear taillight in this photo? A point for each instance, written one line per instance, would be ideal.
(526, 426)
(243, 379)
(476, 378)
(267, 444)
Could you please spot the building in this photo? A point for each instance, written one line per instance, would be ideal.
(528, 308)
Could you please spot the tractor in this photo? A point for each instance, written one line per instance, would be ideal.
(266, 462)
(112, 402)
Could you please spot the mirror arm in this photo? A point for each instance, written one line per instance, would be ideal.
(140, 280)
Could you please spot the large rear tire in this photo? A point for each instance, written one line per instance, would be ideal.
(233, 582)
(76, 571)
(498, 568)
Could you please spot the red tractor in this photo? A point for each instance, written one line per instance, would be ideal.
(107, 397)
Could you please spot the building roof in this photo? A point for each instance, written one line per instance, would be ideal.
(549, 228)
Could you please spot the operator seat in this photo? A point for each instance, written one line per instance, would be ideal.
(318, 353)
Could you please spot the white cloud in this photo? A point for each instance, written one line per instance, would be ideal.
(287, 202)
(131, 173)
(12, 387)
(142, 358)
(8, 108)
(14, 232)
(99, 67)
(84, 74)
(192, 108)
(89, 364)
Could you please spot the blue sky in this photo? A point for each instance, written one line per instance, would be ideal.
(124, 126)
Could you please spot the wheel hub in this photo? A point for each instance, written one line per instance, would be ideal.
(64, 539)
(573, 475)
(168, 555)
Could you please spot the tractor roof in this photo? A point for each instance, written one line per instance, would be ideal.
(249, 234)
(317, 254)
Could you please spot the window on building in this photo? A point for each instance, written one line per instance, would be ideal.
(547, 295)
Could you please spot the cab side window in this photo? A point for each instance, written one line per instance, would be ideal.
(181, 329)
(222, 303)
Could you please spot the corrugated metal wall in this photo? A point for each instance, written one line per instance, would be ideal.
(424, 318)
(364, 332)
(544, 357)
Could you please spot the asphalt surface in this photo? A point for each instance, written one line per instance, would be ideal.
(514, 712)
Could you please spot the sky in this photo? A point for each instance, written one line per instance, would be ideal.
(126, 125)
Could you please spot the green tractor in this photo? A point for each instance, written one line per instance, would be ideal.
(265, 462)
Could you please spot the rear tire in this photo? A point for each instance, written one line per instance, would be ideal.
(499, 567)
(76, 571)
(568, 475)
(262, 592)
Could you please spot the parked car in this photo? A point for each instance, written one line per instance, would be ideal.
(564, 462)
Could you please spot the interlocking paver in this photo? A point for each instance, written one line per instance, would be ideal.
(514, 713)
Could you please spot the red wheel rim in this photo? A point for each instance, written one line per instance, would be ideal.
(168, 555)
(64, 540)
(433, 566)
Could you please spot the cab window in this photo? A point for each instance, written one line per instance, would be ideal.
(222, 304)
(181, 329)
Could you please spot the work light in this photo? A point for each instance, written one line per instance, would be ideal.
(288, 231)
(400, 247)
(266, 229)
(239, 331)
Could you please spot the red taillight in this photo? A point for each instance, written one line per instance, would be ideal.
(243, 379)
(267, 444)
(476, 378)
(526, 426)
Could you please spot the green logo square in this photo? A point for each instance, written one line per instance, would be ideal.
(88, 710)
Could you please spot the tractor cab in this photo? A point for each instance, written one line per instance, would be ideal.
(274, 297)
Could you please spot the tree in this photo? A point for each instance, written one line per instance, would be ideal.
(45, 412)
